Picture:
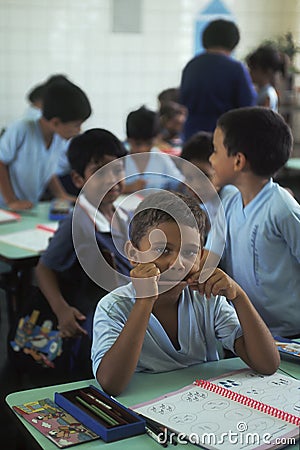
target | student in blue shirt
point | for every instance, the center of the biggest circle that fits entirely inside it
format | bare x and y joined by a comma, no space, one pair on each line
197,151
158,323
264,63
66,285
30,149
147,167
262,251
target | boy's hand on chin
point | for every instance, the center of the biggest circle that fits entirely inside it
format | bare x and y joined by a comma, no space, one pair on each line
145,280
218,283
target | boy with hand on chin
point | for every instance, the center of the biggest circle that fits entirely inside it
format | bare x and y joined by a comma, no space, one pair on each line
165,319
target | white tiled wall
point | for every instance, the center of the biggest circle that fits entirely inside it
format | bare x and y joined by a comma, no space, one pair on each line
118,71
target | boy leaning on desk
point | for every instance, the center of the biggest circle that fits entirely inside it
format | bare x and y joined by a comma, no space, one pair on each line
30,149
68,295
166,319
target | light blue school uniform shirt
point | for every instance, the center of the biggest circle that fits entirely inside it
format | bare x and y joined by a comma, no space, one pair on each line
262,253
30,164
269,92
160,172
200,323
63,165
32,113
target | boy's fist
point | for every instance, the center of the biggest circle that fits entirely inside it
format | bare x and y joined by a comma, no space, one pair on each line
219,283
144,279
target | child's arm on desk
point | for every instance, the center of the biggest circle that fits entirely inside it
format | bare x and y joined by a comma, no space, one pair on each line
67,315
8,192
256,347
119,363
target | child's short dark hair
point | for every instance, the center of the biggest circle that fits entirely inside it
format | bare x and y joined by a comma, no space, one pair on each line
66,101
169,95
221,33
261,135
184,208
37,92
169,110
142,124
93,145
199,147
266,57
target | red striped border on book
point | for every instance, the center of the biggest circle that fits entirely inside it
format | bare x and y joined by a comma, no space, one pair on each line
247,401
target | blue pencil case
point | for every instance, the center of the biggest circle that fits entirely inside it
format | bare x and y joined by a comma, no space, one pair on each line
113,422
59,209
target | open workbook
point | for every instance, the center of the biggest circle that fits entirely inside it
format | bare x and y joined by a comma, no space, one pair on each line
241,410
8,216
35,239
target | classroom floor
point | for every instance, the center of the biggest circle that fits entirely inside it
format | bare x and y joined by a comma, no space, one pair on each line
11,435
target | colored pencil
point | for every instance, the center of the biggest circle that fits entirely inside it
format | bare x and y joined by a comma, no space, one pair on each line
98,412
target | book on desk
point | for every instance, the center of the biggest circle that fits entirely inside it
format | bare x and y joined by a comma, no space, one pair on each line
8,216
81,415
53,422
34,239
243,408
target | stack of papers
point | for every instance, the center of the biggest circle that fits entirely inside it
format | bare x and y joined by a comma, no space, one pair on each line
7,216
35,239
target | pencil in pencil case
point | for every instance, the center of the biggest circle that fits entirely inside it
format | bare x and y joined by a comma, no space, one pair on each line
102,414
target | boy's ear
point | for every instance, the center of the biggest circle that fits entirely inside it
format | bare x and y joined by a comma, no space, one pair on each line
240,162
131,253
55,122
77,179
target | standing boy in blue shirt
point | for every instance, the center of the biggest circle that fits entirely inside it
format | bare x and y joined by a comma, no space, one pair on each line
30,149
156,323
67,286
262,251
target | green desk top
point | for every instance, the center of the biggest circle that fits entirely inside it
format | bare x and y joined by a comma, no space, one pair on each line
142,387
29,219
293,164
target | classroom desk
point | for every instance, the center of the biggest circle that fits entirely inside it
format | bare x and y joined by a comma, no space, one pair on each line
142,387
293,164
20,260
29,219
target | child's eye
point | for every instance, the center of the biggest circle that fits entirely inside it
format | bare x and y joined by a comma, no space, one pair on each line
189,253
161,250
